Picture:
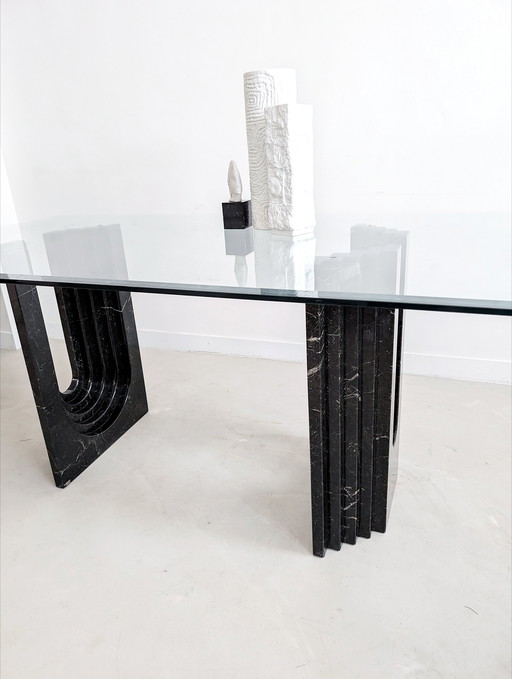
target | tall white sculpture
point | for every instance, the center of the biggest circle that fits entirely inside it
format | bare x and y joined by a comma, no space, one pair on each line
289,152
263,89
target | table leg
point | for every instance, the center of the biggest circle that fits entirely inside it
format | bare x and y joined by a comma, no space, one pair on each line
106,395
353,360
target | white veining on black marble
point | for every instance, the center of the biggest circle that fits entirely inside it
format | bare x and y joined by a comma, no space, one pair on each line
106,395
353,370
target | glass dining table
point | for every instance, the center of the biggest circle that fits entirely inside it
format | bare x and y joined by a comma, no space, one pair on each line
354,279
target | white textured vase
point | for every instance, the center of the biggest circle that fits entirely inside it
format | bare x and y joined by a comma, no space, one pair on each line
289,152
261,90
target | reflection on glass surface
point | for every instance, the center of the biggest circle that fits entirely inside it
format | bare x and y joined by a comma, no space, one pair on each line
239,243
93,252
284,262
14,256
452,257
376,262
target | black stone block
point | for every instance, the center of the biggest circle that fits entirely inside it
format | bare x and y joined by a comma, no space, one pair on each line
237,215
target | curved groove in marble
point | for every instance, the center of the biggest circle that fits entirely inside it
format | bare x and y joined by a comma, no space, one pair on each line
98,355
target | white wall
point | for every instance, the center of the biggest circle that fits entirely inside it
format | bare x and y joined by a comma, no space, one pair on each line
111,106
9,231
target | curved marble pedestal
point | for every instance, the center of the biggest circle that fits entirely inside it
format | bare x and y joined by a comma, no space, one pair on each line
106,395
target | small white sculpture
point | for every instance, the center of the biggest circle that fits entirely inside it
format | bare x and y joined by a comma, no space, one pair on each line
237,212
234,183
289,153
263,89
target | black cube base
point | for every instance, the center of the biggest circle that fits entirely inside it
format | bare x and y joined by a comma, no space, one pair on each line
237,215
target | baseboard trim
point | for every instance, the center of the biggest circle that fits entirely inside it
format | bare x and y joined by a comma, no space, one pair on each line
7,340
458,368
235,346
430,365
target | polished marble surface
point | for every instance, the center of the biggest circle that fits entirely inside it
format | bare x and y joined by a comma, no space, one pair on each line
437,262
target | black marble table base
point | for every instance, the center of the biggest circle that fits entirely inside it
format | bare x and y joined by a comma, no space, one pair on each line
106,395
353,360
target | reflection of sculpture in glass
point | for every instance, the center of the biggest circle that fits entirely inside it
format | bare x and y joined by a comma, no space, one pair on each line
239,242
263,89
375,263
284,262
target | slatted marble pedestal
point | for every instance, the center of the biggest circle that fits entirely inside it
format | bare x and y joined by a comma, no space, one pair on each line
353,360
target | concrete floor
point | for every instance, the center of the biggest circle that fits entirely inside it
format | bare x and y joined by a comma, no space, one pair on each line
184,552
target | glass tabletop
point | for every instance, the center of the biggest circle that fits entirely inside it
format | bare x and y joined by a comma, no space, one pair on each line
451,262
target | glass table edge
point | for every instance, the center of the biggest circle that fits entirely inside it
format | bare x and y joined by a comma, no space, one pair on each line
445,304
